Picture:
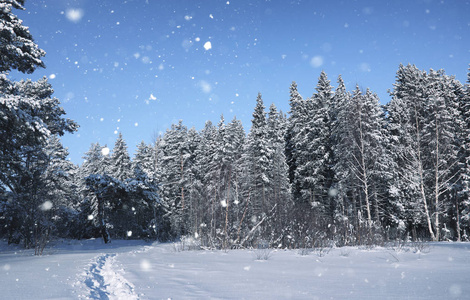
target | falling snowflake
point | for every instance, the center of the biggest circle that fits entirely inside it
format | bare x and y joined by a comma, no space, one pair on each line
46,206
74,15
316,61
105,151
207,46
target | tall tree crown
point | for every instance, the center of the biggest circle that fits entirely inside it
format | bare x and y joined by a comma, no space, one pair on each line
17,47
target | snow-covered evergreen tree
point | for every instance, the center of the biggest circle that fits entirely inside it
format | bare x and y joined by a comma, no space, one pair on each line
121,166
61,199
19,51
313,150
294,123
174,175
424,118
463,203
257,158
341,143
144,159
279,191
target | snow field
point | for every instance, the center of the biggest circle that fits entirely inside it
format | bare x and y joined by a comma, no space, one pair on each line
105,280
138,270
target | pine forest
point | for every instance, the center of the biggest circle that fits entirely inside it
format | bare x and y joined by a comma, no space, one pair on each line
338,168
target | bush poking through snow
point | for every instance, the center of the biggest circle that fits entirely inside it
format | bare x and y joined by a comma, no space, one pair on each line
187,243
420,247
344,252
305,251
263,253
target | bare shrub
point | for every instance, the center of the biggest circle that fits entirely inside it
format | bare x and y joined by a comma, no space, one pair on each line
305,251
263,254
420,246
345,252
322,247
187,243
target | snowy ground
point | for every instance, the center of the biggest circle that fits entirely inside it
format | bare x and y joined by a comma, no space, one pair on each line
137,270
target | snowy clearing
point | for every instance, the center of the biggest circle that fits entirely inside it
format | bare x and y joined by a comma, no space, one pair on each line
138,270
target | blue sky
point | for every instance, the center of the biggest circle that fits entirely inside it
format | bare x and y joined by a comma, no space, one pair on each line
137,66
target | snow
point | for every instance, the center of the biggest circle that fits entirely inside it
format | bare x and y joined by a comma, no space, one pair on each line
316,61
105,151
208,45
74,14
138,270
47,205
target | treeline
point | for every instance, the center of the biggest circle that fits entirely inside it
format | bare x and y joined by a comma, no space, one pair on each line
338,168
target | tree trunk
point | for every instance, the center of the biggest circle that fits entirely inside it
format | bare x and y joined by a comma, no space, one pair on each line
457,219
436,188
421,177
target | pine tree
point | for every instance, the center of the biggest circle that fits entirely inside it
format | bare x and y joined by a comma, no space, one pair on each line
105,189
463,205
29,115
427,110
144,159
257,156
341,144
294,124
94,163
120,160
279,189
234,141
174,176
206,183
366,150
19,51
313,148
147,210
61,192
405,114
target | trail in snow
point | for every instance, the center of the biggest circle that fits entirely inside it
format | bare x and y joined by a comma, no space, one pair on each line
134,269
105,280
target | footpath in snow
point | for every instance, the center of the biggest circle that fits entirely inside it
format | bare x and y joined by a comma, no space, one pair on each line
106,281
138,270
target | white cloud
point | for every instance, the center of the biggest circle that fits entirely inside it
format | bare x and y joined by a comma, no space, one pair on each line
316,61
74,14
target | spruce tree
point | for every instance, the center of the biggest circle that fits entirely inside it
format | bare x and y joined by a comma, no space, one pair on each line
257,155
144,159
294,124
121,167
19,51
